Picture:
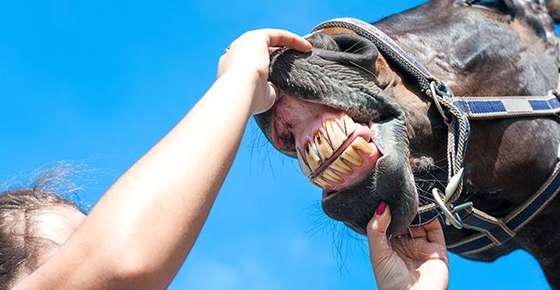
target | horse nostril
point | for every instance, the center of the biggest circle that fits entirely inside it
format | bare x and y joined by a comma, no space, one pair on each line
356,48
352,44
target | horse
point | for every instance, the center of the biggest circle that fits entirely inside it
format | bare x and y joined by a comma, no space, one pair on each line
377,113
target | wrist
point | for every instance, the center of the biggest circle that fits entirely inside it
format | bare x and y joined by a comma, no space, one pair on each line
257,92
243,74
238,89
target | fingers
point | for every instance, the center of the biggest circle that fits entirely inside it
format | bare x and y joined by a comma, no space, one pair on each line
417,232
380,248
434,232
278,37
264,104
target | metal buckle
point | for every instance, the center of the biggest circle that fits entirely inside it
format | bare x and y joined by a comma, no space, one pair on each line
440,89
450,218
451,212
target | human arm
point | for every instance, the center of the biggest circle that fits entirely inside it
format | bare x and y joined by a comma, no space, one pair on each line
415,261
142,229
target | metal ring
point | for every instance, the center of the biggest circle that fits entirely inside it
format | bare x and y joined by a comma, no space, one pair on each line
435,96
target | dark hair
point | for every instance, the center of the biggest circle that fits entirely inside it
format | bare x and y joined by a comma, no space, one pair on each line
19,246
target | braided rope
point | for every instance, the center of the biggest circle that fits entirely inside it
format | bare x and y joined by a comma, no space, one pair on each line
456,147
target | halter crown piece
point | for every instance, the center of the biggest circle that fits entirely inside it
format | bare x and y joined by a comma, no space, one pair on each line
456,112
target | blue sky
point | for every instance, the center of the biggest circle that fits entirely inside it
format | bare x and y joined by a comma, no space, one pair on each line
99,82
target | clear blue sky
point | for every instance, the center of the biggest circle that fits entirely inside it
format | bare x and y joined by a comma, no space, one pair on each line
99,82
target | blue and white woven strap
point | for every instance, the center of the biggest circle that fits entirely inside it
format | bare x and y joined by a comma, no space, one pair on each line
483,108
496,232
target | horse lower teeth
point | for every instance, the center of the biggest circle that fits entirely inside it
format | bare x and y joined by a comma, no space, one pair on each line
341,167
352,156
332,177
362,145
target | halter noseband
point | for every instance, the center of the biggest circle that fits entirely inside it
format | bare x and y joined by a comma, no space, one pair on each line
456,112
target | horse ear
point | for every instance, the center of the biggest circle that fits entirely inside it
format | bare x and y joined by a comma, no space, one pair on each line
553,7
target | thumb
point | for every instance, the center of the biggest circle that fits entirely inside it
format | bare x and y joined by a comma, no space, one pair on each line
267,101
379,246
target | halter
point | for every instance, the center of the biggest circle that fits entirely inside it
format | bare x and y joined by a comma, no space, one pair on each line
456,113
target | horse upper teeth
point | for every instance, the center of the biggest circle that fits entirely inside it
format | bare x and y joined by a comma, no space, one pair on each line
349,125
336,134
340,123
304,167
323,147
312,157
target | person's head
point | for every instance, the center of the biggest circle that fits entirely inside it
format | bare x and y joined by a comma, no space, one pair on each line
34,223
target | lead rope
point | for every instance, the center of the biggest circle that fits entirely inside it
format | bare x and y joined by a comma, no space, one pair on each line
458,129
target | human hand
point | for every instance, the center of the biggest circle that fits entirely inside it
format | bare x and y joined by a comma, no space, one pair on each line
250,55
415,261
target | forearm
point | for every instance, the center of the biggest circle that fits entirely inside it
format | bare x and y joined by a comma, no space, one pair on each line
164,199
139,233
149,219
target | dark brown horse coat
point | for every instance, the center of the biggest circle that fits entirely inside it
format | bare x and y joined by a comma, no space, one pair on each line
485,48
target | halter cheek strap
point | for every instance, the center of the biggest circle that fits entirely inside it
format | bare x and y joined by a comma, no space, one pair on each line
456,112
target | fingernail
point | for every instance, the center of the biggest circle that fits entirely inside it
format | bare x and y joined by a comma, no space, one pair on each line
380,208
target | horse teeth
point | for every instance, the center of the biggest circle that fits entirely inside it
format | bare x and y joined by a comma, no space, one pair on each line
363,145
340,123
304,167
326,135
349,125
352,156
341,167
323,147
321,182
313,158
318,182
330,176
336,134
